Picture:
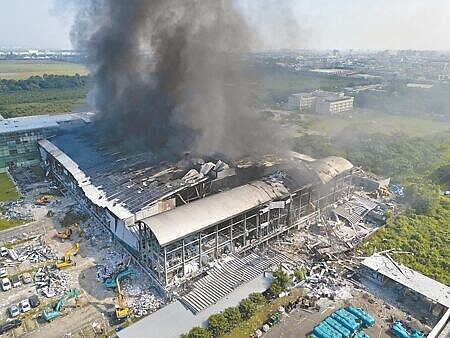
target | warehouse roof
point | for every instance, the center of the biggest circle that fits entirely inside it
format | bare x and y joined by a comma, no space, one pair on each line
329,167
25,123
413,280
172,225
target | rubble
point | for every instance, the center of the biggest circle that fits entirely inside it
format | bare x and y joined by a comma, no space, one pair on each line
50,281
139,298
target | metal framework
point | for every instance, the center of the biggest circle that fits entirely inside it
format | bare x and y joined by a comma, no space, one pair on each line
253,228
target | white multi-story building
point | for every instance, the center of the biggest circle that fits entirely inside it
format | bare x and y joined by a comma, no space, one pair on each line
321,102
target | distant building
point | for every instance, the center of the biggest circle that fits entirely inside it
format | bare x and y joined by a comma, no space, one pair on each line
321,102
19,136
335,105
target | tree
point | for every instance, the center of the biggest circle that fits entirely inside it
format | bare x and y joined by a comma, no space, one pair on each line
197,332
281,278
275,289
233,316
218,324
247,308
257,298
423,198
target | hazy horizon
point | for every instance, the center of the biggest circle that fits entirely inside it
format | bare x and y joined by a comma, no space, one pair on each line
281,24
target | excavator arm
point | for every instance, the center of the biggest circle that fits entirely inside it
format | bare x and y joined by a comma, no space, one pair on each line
67,261
122,311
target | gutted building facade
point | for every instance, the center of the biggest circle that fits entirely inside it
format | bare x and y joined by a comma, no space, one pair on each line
177,219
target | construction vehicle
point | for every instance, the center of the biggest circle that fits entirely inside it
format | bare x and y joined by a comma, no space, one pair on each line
67,233
111,283
55,311
122,312
67,259
44,199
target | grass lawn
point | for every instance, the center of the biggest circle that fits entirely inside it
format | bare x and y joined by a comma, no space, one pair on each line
250,326
8,191
22,69
7,224
377,123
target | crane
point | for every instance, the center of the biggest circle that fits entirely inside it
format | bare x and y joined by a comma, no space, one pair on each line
67,260
111,282
55,310
122,311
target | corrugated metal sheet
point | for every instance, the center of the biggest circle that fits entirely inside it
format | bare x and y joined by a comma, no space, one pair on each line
193,217
93,193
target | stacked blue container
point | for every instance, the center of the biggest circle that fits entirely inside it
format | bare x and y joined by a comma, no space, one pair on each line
361,314
361,334
338,326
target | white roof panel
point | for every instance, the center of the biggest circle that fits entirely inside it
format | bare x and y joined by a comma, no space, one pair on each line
198,215
401,274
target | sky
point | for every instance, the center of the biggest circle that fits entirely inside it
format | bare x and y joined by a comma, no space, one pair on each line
298,24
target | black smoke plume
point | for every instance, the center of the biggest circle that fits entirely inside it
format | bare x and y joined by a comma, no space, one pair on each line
170,76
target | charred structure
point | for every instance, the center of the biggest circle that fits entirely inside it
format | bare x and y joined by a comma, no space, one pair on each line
176,219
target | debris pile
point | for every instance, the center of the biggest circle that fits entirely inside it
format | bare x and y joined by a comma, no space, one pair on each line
113,262
139,298
50,281
324,281
35,253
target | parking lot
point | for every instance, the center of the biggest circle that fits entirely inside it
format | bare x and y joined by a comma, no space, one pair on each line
38,249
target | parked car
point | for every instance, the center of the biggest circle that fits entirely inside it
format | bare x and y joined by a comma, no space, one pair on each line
3,272
15,281
10,325
3,251
6,284
26,278
13,311
34,301
24,306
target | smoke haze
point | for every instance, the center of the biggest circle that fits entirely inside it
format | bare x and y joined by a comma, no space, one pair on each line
170,76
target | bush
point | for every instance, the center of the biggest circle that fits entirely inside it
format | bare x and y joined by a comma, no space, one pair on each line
247,308
275,289
257,298
233,316
197,332
300,274
218,324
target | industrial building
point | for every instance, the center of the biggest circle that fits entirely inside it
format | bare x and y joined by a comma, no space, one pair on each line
19,136
178,218
320,102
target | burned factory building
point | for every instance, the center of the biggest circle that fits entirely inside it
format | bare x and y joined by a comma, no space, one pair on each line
177,219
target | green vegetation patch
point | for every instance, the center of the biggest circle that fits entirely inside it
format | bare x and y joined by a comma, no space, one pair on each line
426,236
7,224
41,101
8,191
24,69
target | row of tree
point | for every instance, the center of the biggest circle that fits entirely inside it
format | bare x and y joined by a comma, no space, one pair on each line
44,82
222,323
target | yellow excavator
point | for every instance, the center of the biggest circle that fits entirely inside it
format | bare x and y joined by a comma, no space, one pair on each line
67,259
44,199
122,312
67,233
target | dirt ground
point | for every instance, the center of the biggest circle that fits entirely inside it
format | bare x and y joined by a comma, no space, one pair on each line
300,323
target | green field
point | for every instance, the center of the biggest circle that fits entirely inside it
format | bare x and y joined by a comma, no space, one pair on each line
8,191
38,102
18,70
377,123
